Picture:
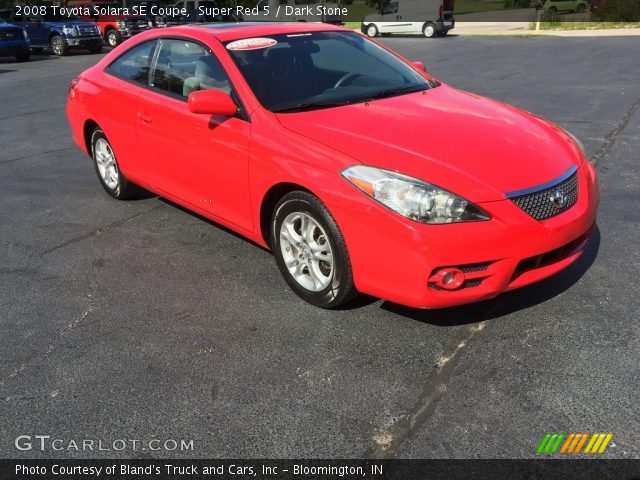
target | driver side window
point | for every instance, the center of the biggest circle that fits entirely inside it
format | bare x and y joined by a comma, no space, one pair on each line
183,67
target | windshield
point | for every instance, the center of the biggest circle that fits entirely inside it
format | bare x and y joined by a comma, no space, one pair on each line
320,70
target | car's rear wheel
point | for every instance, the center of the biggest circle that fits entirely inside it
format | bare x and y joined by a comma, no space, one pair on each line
553,10
429,30
106,164
581,8
372,31
310,250
58,46
113,38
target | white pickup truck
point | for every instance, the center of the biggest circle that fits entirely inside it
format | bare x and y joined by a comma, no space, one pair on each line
289,11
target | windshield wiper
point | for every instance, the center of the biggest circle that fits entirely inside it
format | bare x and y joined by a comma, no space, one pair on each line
301,107
392,92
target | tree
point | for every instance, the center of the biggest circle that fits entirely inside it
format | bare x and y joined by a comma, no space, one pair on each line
378,4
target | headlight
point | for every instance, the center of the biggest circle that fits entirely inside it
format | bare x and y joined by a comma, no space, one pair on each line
121,25
413,198
149,23
71,31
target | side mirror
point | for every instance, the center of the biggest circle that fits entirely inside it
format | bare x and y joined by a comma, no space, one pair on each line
420,66
212,102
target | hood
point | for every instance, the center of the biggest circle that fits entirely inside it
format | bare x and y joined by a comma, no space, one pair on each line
470,145
71,23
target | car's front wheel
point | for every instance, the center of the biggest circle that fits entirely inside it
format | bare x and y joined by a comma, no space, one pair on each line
310,250
113,38
108,170
58,45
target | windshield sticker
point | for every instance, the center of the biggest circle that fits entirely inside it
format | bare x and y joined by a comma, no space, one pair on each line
251,44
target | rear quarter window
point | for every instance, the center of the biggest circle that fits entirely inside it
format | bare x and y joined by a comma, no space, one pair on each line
134,64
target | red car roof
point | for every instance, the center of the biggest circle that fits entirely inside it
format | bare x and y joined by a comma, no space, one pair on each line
235,31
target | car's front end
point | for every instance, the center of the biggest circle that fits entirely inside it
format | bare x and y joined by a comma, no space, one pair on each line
439,265
14,42
80,35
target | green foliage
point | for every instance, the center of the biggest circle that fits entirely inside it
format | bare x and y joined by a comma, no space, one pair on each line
618,11
377,4
516,3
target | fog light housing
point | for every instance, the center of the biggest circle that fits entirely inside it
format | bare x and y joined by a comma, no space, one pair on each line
448,278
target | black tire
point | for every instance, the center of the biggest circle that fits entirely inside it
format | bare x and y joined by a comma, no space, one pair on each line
23,57
430,30
113,38
58,46
341,288
124,189
371,30
581,8
553,10
96,49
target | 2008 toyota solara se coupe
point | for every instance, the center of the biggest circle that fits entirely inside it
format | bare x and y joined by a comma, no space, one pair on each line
360,171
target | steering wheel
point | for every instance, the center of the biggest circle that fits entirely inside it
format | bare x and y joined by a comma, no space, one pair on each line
347,78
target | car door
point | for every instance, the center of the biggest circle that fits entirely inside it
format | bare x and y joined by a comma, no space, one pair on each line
392,19
28,24
198,159
128,80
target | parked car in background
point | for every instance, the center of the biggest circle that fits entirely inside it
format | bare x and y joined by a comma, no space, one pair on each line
202,11
432,18
153,19
114,28
60,33
14,42
560,6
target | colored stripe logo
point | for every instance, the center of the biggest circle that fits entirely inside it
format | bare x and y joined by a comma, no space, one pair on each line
573,443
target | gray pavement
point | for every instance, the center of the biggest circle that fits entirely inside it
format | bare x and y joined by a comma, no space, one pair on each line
138,320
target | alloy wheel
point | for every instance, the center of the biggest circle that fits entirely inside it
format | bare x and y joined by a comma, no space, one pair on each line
106,162
306,251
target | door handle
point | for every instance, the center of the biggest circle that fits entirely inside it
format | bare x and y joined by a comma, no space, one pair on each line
144,118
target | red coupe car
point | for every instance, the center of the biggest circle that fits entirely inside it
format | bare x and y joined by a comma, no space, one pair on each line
359,170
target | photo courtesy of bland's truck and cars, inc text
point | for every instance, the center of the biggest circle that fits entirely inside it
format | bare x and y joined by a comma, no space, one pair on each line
319,239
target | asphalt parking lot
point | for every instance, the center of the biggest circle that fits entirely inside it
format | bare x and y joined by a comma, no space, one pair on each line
139,320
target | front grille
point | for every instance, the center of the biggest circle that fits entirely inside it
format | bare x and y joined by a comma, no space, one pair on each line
6,34
550,257
87,31
472,283
474,267
550,201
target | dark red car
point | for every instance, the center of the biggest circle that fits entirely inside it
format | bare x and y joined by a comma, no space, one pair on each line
360,171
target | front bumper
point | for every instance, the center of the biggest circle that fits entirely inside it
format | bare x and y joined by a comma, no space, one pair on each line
84,42
12,49
395,258
444,25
